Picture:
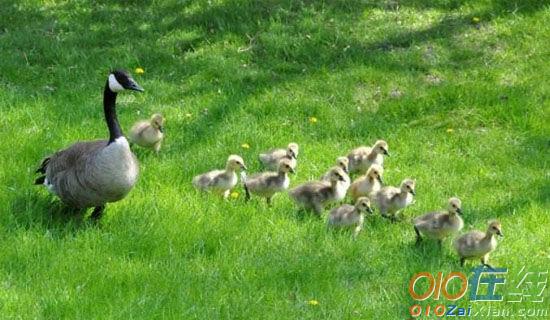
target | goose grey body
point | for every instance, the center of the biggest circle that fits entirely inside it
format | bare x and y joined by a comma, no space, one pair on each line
361,158
270,159
439,225
220,181
316,194
93,173
148,134
347,215
478,245
391,199
267,184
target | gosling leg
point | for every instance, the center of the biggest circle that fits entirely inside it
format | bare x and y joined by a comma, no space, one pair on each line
268,200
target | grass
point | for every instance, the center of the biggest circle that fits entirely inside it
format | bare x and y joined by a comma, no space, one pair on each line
458,88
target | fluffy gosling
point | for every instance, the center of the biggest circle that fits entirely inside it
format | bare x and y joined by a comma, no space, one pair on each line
221,181
267,184
369,184
148,134
343,186
348,216
361,158
392,199
477,244
439,225
270,159
316,194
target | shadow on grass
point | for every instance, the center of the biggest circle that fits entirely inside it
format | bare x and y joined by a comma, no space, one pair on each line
34,209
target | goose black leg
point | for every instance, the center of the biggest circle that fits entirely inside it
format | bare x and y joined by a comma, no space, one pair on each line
462,262
247,193
418,237
97,213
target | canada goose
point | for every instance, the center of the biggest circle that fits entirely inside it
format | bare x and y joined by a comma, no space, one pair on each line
361,158
392,199
439,225
477,244
268,183
148,134
93,173
368,184
315,194
270,159
350,216
221,181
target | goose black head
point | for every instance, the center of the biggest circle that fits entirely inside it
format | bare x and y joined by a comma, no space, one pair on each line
120,80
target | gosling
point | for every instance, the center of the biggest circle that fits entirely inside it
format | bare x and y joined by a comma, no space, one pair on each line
477,244
148,134
343,186
267,184
341,162
221,181
369,184
391,199
316,194
270,159
440,225
348,216
361,158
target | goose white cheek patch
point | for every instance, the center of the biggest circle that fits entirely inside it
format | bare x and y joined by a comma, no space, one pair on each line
114,85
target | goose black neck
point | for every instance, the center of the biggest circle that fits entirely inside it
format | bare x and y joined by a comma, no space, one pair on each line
109,107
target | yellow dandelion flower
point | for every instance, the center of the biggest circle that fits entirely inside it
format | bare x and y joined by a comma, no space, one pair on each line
313,302
139,70
245,146
450,130
234,194
476,19
313,120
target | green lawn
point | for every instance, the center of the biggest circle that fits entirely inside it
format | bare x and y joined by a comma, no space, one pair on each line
459,89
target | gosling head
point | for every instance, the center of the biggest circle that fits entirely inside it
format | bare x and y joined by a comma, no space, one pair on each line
495,228
235,162
286,166
343,162
120,80
408,185
292,150
381,147
455,206
375,172
337,174
157,122
363,205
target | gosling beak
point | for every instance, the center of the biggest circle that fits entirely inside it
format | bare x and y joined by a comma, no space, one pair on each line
346,170
134,86
386,153
341,178
500,233
369,210
161,129
379,178
244,167
293,155
459,211
413,192
292,171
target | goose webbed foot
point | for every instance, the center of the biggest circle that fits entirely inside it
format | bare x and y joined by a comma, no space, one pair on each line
490,267
97,213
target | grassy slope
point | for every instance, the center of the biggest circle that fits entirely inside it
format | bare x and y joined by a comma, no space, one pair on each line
169,251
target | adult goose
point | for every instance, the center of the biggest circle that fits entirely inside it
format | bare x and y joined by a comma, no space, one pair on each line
93,173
